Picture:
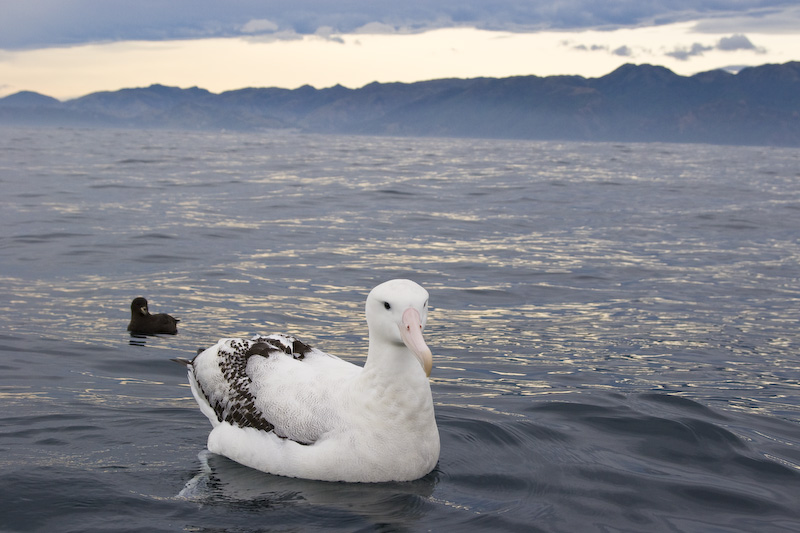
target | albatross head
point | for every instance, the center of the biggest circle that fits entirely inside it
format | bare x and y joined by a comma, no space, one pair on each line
396,313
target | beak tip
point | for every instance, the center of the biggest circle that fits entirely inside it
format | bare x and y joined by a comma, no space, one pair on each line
411,333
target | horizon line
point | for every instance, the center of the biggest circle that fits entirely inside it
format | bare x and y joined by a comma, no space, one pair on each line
731,69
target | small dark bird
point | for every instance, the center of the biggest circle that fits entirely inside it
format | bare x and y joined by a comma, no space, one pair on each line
143,323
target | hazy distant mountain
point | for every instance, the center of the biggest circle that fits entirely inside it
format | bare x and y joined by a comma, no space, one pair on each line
28,99
758,106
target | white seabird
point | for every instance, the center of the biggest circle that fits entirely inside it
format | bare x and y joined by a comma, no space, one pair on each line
283,407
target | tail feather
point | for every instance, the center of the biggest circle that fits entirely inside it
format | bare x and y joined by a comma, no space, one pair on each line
187,362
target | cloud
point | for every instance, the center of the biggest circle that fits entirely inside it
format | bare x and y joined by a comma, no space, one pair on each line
784,20
732,43
683,53
69,22
329,34
592,48
376,28
259,26
737,42
725,44
624,51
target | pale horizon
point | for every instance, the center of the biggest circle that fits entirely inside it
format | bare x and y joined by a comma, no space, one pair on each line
266,54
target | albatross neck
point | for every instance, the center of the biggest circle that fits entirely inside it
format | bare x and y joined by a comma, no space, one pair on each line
386,360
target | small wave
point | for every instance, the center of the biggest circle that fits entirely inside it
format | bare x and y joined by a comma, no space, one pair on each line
138,161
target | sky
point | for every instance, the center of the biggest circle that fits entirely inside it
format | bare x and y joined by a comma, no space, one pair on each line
70,48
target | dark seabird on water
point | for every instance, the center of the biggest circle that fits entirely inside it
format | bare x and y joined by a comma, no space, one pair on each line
143,323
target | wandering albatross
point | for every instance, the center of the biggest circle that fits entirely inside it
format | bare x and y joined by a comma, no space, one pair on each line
283,407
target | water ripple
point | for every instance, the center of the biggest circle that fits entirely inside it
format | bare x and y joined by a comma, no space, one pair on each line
613,326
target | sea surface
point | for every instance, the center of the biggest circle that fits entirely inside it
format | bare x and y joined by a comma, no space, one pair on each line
615,327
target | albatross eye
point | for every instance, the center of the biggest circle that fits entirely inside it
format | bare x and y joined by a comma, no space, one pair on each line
387,305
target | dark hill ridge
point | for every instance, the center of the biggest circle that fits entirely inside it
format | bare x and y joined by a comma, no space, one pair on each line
757,106
28,99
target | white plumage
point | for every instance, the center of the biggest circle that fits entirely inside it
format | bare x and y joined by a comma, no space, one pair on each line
282,407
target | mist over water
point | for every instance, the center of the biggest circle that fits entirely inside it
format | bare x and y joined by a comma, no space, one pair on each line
614,326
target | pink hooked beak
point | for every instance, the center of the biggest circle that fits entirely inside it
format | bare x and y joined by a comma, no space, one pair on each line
411,333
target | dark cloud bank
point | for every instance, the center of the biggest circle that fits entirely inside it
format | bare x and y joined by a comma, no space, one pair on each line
63,22
757,106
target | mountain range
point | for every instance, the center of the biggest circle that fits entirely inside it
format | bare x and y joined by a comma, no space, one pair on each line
756,106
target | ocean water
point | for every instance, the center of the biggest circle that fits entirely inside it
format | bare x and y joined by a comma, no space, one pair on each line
614,326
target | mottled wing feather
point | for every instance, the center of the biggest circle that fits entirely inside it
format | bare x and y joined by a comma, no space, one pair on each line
272,383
